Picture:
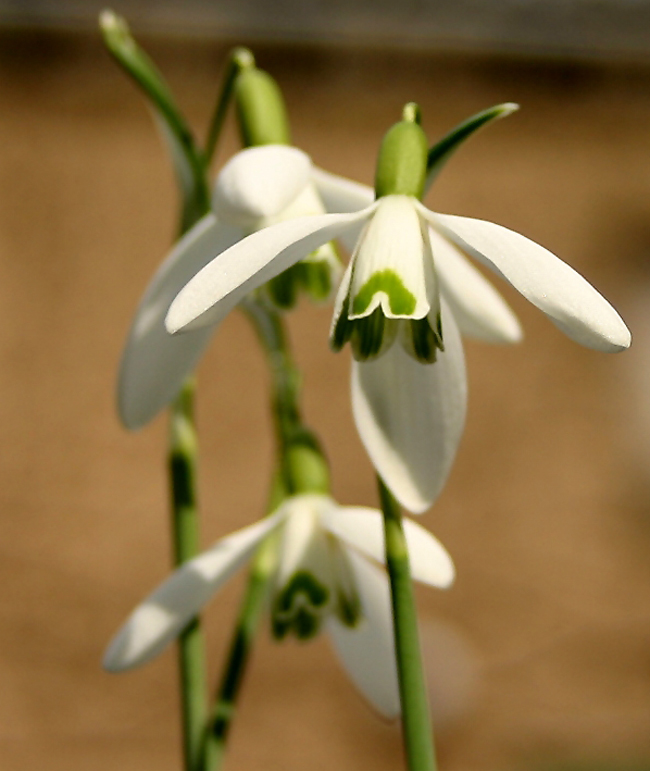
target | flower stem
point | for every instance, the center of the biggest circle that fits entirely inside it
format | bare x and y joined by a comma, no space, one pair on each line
185,530
250,613
302,469
416,720
239,59
285,376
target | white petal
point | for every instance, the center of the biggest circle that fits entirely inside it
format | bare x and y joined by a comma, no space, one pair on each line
363,529
154,364
389,267
343,195
550,284
360,527
303,546
367,651
430,561
251,263
260,182
340,194
410,417
160,618
478,308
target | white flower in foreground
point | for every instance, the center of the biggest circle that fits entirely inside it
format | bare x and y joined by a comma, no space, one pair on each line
326,576
257,187
407,286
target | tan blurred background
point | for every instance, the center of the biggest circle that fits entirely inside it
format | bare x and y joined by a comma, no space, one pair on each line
540,654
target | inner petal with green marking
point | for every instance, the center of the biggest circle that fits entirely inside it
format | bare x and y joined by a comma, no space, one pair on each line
299,606
388,270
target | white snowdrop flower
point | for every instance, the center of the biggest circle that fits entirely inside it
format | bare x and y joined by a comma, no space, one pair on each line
327,577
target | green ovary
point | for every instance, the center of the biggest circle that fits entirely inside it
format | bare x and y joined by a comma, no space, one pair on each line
401,301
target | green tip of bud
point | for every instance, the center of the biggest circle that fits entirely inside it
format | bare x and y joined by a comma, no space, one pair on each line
402,162
304,465
412,113
260,109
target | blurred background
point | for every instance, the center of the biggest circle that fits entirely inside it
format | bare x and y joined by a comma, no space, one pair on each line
539,656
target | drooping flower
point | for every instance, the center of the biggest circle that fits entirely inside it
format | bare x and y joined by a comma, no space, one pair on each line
326,578
257,187
407,287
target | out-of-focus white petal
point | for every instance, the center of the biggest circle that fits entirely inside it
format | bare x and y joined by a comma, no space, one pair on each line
363,529
343,195
251,263
564,295
430,561
389,263
154,364
160,618
367,651
410,416
260,182
359,526
478,308
303,546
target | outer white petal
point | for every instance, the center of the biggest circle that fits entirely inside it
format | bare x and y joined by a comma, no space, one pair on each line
478,308
260,182
340,194
363,529
391,246
359,527
410,417
160,618
430,561
251,263
550,284
154,364
367,651
343,195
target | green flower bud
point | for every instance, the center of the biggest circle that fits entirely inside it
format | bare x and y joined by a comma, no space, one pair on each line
402,161
305,467
260,109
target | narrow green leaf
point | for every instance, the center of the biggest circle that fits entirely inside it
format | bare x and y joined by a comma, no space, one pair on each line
442,151
187,159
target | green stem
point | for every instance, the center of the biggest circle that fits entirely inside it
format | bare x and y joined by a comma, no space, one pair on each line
239,59
285,377
302,469
250,613
185,529
416,720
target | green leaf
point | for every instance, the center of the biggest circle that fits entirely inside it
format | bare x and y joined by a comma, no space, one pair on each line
442,151
187,159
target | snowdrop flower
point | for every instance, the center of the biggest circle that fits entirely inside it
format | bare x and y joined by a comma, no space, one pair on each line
326,578
407,289
256,188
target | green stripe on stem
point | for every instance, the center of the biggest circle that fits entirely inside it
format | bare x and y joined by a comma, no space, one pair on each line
250,613
416,720
185,531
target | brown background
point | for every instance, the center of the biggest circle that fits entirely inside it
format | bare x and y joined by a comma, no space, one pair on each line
540,653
